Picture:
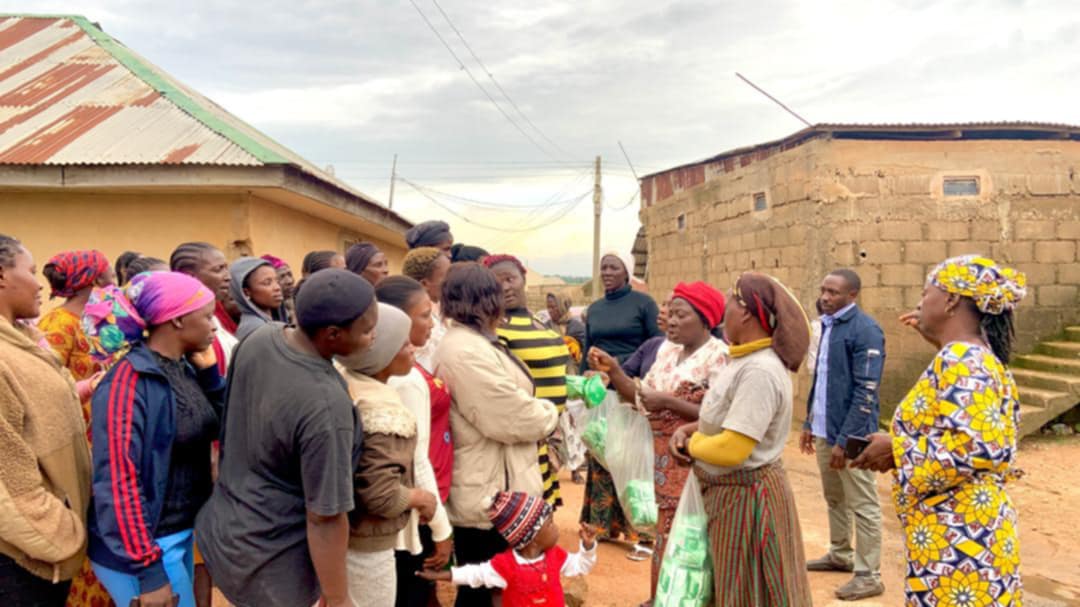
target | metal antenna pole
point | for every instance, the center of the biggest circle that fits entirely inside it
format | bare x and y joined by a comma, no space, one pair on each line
773,99
627,157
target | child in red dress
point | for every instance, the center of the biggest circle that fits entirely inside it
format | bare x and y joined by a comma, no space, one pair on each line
529,572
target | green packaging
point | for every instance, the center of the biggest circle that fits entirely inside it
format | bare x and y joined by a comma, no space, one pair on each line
641,503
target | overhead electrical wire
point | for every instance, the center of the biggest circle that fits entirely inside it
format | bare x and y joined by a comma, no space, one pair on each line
506,239
468,72
487,204
496,82
626,205
570,206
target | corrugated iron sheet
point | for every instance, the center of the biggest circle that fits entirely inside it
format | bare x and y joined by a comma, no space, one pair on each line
72,95
962,130
66,100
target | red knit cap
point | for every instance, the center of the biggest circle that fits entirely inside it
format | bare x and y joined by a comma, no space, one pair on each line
518,516
704,298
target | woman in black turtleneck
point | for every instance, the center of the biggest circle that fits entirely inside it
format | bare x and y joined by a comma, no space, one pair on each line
624,318
617,324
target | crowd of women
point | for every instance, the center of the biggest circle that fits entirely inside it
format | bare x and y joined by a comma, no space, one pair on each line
177,424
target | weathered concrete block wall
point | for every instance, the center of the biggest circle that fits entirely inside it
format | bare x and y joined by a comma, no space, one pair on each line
879,208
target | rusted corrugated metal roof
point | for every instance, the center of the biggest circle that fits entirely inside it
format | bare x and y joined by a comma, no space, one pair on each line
65,99
907,132
70,94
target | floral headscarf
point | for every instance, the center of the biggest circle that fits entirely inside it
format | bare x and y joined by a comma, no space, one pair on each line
111,323
995,289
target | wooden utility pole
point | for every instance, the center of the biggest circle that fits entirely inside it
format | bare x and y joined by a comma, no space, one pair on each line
598,206
393,178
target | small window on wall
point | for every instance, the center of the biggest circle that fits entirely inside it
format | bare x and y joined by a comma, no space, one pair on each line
680,222
760,203
961,186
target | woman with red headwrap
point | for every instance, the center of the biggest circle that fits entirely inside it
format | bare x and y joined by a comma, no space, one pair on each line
73,275
672,391
736,445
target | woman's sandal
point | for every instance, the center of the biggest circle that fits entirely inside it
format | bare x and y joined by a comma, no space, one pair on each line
640,553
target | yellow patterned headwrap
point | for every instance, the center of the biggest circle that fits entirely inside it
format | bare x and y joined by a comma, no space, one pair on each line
995,289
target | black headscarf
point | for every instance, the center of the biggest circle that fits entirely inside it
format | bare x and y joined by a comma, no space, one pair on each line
464,252
359,256
427,234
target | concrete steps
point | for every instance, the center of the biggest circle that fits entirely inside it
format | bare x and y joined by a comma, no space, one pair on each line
1058,382
1052,364
1048,380
1060,349
1032,419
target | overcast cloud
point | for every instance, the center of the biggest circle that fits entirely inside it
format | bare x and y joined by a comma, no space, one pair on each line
350,84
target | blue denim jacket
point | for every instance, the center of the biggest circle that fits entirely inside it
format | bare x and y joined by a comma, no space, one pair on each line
856,360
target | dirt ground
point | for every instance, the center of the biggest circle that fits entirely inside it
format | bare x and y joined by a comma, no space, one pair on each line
1048,499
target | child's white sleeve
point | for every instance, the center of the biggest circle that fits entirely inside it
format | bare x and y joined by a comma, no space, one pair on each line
481,575
580,562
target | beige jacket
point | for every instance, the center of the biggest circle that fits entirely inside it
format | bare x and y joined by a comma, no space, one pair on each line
383,480
496,422
44,460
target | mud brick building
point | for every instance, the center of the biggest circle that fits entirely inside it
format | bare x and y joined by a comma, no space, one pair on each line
890,201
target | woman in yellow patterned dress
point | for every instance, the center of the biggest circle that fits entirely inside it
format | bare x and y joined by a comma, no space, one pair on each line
72,275
952,448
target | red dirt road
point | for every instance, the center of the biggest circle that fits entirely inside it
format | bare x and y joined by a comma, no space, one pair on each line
1048,498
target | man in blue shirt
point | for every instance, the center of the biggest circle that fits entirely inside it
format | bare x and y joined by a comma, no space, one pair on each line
844,403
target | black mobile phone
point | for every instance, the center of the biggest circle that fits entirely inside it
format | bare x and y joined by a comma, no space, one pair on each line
855,447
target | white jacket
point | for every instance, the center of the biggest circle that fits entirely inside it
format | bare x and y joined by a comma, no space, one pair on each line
414,393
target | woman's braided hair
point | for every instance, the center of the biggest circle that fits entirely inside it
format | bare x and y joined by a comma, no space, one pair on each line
121,266
999,330
188,257
9,249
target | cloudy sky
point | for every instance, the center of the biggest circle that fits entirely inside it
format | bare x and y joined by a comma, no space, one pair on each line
351,83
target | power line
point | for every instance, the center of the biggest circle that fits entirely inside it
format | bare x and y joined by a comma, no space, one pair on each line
465,68
494,81
490,205
628,202
569,207
502,242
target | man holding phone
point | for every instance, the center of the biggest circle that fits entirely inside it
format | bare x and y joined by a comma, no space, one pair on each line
842,410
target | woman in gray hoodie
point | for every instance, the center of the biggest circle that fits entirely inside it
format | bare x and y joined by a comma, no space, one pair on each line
256,290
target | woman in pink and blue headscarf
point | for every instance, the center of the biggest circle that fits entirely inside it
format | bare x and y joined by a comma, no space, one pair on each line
155,415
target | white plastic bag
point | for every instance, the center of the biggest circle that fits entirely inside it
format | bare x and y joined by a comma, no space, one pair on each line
572,451
632,466
594,427
686,577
